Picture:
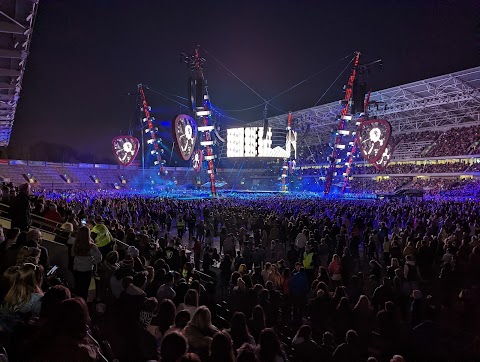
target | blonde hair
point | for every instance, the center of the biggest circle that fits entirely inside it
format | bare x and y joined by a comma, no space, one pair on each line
26,282
28,255
9,275
202,319
242,269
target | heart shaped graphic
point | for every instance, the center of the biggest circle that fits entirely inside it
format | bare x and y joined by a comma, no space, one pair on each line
373,137
382,163
184,129
197,160
125,149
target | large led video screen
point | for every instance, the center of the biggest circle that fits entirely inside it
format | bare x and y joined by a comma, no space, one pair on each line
251,142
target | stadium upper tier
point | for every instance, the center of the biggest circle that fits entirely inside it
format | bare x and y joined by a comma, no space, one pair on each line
455,141
438,103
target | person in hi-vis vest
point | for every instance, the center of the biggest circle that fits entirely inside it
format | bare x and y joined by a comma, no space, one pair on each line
309,262
103,238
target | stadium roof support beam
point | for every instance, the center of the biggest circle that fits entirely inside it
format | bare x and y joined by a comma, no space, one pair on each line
450,100
7,86
17,18
12,54
11,28
4,72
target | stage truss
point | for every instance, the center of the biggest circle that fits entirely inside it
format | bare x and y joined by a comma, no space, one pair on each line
17,18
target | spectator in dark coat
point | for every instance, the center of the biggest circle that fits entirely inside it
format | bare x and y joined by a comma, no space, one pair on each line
382,294
67,334
123,324
350,350
257,323
20,208
389,327
239,332
298,287
305,348
326,349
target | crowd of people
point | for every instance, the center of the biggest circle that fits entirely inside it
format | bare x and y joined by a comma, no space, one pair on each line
399,168
456,142
449,188
436,187
427,135
280,278
367,185
447,167
466,141
396,168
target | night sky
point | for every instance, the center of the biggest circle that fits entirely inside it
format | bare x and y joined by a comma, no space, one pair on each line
87,55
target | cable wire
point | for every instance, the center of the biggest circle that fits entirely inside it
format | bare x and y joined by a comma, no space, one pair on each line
245,109
331,85
236,76
281,110
167,92
163,95
307,79
289,89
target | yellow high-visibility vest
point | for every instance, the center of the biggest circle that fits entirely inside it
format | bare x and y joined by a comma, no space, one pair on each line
307,260
103,235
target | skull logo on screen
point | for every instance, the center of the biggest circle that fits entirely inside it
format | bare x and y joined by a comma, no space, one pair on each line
382,162
185,133
197,160
373,138
125,149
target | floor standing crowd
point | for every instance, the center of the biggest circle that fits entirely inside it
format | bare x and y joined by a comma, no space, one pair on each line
266,279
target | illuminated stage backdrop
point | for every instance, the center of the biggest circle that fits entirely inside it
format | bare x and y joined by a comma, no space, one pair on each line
250,142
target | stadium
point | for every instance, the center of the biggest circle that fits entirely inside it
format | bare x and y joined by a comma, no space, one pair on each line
345,231
427,117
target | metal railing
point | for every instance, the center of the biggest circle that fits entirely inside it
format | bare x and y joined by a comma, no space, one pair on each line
48,226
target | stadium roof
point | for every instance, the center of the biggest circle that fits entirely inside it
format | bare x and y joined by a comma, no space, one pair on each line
16,26
450,100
